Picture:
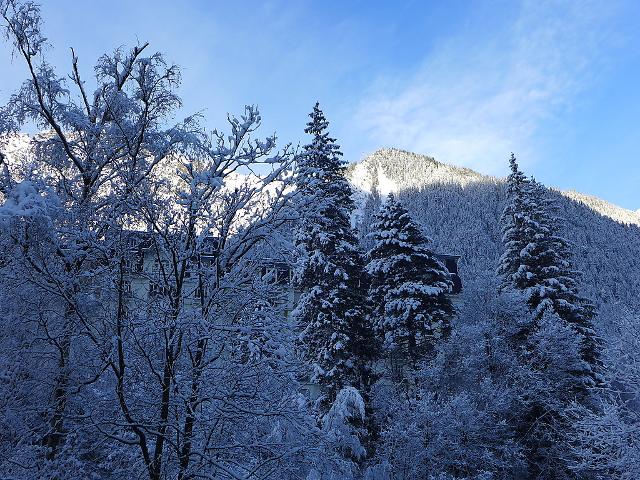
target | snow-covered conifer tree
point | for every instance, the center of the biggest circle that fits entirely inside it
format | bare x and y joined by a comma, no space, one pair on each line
336,337
513,237
408,284
558,344
546,272
538,261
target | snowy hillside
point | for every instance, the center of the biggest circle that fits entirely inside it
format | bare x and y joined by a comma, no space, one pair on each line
460,209
605,208
15,149
393,170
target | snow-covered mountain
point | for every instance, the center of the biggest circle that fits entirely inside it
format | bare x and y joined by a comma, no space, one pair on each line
605,208
393,170
460,210
386,169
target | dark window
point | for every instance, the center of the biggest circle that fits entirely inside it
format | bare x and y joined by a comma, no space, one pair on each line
451,265
207,261
275,275
210,245
139,262
156,290
457,283
126,288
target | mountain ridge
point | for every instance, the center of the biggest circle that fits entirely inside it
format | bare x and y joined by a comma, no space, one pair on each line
378,168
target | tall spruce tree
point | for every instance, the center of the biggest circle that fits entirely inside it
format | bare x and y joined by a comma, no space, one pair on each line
558,344
336,338
546,272
512,223
538,261
408,284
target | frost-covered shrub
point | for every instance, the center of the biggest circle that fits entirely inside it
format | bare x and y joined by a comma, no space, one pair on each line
344,423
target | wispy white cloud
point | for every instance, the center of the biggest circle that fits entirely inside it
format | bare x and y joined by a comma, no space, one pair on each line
481,95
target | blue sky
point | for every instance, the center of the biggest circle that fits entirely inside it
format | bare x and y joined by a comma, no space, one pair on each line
465,81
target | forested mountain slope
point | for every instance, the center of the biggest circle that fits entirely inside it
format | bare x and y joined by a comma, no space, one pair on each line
460,210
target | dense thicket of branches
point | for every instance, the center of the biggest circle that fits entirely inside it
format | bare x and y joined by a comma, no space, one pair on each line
119,371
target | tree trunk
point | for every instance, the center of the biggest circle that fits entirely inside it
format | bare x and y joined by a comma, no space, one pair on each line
55,436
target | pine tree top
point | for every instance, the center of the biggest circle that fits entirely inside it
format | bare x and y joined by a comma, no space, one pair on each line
318,123
321,143
537,260
320,171
516,178
336,337
408,283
